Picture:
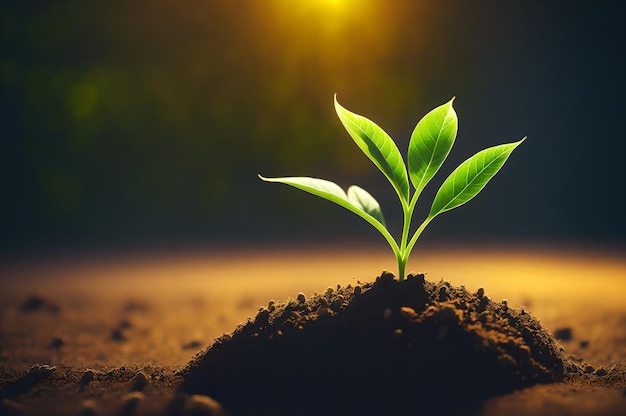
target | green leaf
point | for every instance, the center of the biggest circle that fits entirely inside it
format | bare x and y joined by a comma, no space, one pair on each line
430,144
470,177
362,199
362,203
378,146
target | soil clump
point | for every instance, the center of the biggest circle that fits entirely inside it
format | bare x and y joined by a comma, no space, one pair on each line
377,348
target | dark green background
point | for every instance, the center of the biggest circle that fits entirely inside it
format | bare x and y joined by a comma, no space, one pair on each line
146,122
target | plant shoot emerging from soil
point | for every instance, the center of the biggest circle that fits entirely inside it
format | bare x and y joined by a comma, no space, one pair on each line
430,144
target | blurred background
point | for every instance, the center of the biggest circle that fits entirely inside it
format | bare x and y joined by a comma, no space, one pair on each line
144,124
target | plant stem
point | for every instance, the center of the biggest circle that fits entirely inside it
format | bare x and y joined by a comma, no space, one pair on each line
401,267
408,214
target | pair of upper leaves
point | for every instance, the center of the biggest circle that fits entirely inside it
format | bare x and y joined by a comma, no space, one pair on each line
430,144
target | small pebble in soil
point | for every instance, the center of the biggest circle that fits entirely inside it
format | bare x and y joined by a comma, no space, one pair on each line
41,371
117,335
338,302
357,290
192,345
407,312
301,298
589,369
140,381
601,372
480,292
564,334
420,277
88,376
385,277
37,303
56,343
130,402
443,294
200,405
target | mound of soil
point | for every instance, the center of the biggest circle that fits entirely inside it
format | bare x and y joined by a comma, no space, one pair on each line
376,348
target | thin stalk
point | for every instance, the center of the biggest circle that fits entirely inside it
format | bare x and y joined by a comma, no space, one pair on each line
401,267
406,227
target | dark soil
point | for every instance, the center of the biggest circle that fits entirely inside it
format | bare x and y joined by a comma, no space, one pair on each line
377,348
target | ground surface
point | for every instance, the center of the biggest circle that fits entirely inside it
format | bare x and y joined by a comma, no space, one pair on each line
101,327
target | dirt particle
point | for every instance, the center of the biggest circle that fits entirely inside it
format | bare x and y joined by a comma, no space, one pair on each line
41,371
55,343
140,381
506,361
193,344
480,292
338,302
601,372
397,333
201,405
589,369
301,298
262,316
584,344
447,314
271,306
407,312
357,290
88,376
322,310
443,294
564,334
420,277
117,335
37,303
385,277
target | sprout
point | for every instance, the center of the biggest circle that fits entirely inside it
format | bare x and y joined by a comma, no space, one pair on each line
430,144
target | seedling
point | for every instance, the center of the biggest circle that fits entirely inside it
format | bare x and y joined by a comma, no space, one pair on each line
430,144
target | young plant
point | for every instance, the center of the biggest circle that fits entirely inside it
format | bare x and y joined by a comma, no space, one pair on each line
429,146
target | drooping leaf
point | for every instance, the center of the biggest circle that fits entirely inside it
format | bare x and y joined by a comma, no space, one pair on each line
430,144
362,199
333,192
470,177
378,146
